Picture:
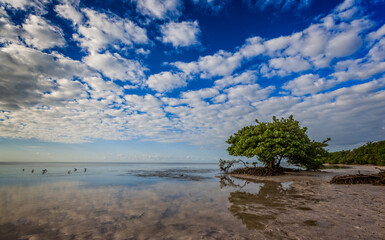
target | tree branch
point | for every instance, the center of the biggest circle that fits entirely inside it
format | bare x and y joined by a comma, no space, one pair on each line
246,166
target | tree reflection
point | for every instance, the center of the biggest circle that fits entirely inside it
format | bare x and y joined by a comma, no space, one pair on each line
227,181
259,203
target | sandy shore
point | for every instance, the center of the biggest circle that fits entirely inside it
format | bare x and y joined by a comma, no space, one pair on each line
333,211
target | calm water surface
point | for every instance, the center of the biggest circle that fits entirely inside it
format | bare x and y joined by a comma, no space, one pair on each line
134,201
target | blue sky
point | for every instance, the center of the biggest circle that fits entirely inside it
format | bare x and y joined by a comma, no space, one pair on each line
169,80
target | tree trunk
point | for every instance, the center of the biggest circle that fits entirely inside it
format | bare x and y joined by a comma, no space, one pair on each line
279,162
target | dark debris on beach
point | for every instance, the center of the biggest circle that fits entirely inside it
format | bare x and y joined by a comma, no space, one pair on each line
375,179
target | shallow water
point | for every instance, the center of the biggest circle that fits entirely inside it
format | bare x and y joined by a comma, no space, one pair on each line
148,201
125,201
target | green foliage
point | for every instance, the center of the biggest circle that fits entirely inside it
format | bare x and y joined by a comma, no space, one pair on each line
273,141
370,153
314,155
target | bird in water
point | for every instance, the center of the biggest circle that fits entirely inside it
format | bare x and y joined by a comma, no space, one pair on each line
44,171
85,169
23,169
75,169
69,172
32,171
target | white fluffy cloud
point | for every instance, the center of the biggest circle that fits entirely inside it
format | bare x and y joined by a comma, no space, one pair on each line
276,45
69,12
160,9
64,90
246,77
344,44
180,34
27,73
253,47
308,84
356,70
287,65
8,31
16,3
42,35
116,67
340,113
251,93
379,33
377,52
314,41
39,6
199,94
102,30
35,31
41,98
166,81
221,63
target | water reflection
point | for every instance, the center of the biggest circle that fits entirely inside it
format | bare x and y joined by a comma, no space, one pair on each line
163,210
67,210
256,203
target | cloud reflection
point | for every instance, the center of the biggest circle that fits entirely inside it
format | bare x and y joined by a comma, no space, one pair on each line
67,210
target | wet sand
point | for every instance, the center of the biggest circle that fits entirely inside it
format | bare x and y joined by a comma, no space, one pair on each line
331,211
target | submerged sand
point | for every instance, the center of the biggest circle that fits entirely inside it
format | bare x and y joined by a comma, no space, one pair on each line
294,206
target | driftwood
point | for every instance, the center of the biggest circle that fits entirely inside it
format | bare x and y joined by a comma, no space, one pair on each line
375,179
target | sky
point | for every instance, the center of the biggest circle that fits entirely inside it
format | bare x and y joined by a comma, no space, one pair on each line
170,80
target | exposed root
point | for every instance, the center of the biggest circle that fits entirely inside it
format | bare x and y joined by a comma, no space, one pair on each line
375,179
261,171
